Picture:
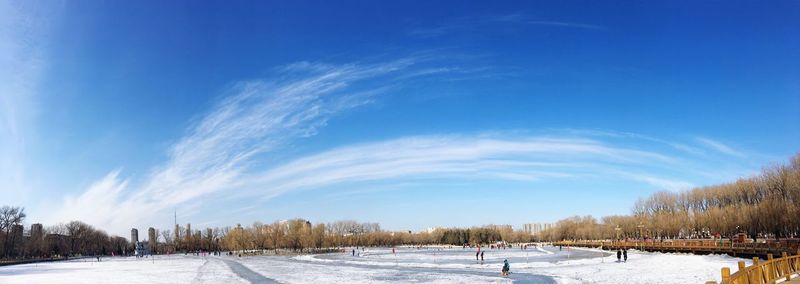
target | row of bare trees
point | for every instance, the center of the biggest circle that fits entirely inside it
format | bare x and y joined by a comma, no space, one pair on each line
300,235
762,206
79,238
68,239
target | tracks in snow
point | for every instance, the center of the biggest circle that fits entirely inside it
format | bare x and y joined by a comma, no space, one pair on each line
246,273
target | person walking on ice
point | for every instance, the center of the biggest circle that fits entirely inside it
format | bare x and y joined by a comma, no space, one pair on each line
481,256
619,255
625,254
506,268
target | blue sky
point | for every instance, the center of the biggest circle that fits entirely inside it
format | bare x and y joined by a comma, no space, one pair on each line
411,114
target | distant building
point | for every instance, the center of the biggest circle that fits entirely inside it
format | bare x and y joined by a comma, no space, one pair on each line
16,239
528,228
501,227
35,240
536,228
37,231
152,239
134,236
288,223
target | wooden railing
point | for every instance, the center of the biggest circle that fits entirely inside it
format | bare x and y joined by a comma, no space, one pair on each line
767,272
761,249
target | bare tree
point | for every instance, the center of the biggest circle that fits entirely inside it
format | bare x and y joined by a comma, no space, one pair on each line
9,217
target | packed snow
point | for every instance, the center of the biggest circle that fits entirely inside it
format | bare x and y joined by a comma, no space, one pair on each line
159,269
381,265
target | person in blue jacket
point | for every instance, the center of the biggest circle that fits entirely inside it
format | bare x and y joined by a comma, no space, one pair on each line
506,268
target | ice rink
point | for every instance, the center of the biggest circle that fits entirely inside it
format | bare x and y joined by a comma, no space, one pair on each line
380,265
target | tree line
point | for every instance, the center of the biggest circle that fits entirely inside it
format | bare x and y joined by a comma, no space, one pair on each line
66,239
80,239
301,235
761,206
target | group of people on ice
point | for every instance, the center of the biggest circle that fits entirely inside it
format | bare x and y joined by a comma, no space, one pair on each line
506,267
622,253
480,252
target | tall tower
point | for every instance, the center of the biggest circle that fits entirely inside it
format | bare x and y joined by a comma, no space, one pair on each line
134,236
152,239
189,232
177,229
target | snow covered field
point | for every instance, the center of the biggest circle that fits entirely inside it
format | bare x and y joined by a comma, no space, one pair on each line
432,265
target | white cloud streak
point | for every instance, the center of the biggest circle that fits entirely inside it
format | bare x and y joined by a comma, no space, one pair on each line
471,24
464,157
220,154
720,147
255,118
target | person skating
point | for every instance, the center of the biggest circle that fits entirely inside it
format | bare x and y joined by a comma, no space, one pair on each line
506,268
619,255
481,256
625,254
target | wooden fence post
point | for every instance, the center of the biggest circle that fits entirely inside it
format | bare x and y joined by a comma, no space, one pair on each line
770,267
785,266
795,265
726,275
756,277
743,272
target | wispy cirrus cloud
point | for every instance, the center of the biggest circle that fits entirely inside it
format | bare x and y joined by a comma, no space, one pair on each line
719,147
220,155
493,157
255,117
519,20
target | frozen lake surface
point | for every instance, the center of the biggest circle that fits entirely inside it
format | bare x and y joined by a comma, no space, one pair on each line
380,265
